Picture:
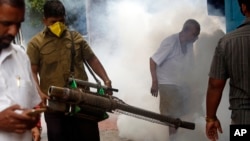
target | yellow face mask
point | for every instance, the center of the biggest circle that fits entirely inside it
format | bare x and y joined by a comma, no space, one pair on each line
57,28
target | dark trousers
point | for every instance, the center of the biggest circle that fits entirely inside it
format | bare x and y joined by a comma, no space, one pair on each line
62,127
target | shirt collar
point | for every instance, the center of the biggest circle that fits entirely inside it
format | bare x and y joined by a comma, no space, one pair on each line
246,22
6,52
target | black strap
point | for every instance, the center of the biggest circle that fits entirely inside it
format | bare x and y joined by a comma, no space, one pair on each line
91,72
73,53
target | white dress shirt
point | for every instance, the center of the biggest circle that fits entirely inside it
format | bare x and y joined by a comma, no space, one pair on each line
17,86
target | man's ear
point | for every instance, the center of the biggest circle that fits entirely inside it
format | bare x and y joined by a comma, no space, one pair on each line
243,9
45,21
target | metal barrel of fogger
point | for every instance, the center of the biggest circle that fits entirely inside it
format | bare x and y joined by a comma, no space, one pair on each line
89,84
78,98
109,104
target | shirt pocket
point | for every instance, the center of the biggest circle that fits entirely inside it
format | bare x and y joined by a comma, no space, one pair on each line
24,93
50,59
49,55
77,48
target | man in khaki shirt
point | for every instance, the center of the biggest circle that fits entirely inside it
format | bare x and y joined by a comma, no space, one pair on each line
50,52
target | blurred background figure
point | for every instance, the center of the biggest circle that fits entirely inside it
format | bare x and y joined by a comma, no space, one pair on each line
168,64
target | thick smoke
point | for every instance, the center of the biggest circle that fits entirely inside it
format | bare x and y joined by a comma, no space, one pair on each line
125,33
76,16
133,32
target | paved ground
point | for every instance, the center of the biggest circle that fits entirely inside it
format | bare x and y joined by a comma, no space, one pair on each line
108,130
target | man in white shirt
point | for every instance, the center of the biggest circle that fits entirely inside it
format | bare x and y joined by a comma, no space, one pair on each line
168,65
18,93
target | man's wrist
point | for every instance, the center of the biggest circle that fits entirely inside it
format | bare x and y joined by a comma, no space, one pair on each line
211,119
107,81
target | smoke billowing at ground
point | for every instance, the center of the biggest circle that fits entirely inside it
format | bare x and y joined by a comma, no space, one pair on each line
133,30
125,33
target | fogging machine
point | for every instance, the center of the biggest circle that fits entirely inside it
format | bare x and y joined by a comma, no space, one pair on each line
65,100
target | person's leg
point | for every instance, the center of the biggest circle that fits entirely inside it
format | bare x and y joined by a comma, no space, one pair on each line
171,103
54,126
81,129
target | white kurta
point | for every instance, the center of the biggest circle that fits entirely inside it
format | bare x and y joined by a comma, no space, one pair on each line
17,86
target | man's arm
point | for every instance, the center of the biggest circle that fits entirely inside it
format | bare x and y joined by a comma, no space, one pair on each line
214,94
97,67
43,96
154,87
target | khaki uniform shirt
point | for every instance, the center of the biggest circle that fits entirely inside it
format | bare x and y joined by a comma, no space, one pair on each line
52,55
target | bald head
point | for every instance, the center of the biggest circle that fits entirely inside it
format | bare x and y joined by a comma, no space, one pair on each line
190,32
191,24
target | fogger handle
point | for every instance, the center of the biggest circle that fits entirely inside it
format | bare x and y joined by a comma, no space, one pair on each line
187,125
112,89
